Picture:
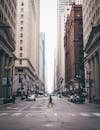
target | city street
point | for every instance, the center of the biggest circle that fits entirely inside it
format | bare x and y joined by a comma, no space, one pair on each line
64,115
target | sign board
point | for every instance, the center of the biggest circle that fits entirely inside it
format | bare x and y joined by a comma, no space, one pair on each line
87,84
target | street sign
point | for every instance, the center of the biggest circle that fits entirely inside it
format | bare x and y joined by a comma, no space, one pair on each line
87,84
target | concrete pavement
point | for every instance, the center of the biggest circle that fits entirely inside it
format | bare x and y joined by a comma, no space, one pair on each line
63,115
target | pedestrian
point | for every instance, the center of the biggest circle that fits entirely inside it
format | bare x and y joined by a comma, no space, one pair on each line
13,98
50,101
94,99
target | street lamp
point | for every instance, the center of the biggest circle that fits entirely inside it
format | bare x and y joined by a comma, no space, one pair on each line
90,85
78,77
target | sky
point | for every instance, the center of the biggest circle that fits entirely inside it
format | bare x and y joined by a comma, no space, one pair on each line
48,24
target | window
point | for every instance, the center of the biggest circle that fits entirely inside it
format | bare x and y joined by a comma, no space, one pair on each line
22,15
20,61
21,48
22,4
21,21
21,29
21,34
22,9
21,41
20,54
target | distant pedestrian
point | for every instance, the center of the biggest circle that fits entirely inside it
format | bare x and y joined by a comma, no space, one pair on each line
50,101
13,98
94,99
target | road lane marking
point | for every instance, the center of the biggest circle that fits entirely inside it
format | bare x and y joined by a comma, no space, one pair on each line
38,107
16,114
55,114
96,114
71,114
24,108
48,125
12,107
15,108
3,114
84,114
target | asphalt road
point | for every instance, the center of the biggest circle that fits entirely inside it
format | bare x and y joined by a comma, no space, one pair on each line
37,115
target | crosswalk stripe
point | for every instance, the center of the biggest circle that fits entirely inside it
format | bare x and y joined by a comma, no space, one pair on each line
28,115
16,114
15,108
3,114
38,107
55,114
84,114
71,114
96,114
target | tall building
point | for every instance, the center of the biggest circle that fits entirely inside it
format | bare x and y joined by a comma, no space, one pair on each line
60,33
91,31
63,8
7,46
55,70
26,44
73,44
42,60
37,3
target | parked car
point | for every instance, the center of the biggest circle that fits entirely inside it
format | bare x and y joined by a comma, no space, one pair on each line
31,98
22,97
77,98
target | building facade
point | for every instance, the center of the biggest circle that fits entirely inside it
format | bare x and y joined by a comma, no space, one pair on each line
61,4
63,8
73,44
37,3
91,32
7,46
26,46
42,60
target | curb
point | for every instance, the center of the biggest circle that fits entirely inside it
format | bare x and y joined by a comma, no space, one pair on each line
16,101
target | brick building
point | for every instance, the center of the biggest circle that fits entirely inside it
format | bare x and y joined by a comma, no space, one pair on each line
73,44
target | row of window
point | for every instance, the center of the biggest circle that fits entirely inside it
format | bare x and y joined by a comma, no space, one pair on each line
21,30
9,9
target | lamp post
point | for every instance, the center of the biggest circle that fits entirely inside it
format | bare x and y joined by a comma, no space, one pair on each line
90,85
78,77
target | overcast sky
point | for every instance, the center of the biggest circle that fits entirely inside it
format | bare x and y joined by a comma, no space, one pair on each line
48,24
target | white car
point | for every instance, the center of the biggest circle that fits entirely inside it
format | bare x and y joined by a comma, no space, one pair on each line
31,98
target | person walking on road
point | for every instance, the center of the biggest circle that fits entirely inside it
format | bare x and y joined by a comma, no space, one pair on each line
13,98
50,101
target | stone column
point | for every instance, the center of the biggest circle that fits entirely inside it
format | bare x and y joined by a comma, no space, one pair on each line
2,65
0,74
89,78
7,75
97,77
93,76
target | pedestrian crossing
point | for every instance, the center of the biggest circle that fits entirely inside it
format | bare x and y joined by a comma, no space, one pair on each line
30,114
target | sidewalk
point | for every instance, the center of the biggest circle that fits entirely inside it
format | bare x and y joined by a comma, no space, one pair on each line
18,99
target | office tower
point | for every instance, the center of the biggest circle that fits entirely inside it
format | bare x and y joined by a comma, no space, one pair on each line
27,40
